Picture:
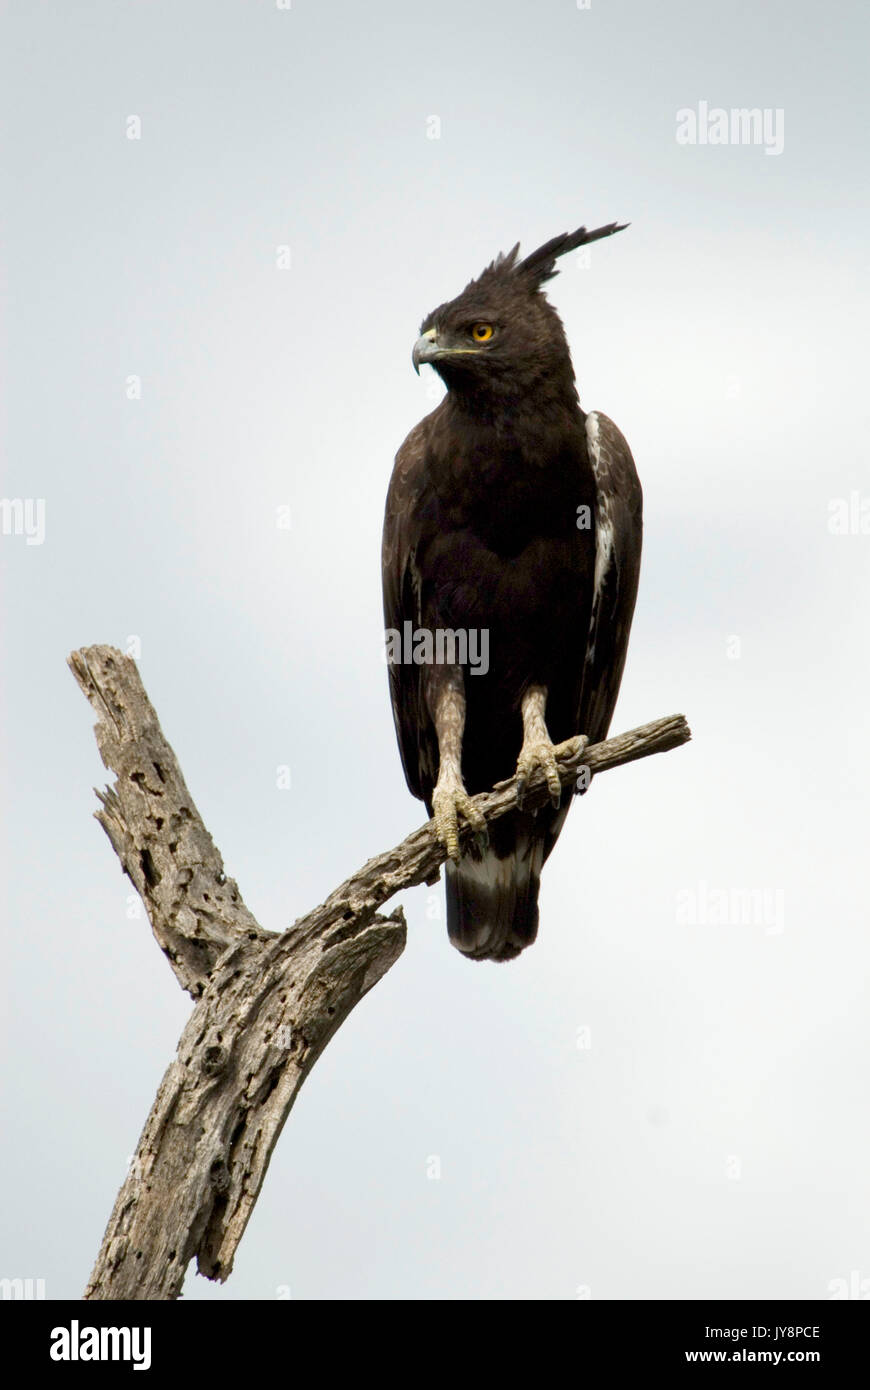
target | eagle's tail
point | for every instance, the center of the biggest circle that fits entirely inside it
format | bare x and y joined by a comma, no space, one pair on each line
492,900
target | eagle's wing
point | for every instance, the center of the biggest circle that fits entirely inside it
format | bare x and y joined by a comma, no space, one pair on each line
418,744
618,531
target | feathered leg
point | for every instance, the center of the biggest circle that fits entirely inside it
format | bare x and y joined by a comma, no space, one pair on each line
446,698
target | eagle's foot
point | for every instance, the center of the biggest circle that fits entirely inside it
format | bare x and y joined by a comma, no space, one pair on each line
534,754
449,801
572,747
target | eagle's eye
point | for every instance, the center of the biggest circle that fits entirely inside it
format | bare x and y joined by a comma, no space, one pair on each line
482,332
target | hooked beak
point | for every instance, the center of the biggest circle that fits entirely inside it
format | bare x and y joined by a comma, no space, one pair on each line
428,349
425,349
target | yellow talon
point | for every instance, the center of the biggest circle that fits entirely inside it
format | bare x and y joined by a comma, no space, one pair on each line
449,800
532,756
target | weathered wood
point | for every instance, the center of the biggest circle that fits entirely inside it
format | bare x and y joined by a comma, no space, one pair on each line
154,827
252,1039
266,1003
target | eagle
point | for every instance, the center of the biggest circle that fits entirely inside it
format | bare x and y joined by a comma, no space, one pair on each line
510,559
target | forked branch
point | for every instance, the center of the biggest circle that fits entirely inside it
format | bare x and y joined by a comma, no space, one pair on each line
266,1003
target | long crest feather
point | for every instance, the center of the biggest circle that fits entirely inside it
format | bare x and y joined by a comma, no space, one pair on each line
540,265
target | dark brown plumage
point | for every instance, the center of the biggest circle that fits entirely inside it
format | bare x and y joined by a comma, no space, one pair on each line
512,511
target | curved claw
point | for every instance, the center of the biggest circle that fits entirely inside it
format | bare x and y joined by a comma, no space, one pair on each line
448,803
532,756
572,746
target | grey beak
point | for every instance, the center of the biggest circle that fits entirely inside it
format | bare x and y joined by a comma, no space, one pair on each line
425,349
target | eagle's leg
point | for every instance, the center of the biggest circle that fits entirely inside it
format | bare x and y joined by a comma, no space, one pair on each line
446,699
537,750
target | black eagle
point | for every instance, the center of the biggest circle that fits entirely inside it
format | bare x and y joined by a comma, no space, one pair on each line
513,525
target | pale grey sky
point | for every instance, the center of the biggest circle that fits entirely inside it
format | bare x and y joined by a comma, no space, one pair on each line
708,1137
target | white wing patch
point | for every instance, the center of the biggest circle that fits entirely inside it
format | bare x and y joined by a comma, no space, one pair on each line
603,532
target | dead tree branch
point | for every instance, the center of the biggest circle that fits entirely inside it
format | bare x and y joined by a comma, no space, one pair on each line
266,1004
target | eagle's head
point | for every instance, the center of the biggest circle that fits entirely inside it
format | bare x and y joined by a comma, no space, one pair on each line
500,335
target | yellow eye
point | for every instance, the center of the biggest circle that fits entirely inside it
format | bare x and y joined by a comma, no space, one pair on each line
482,332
